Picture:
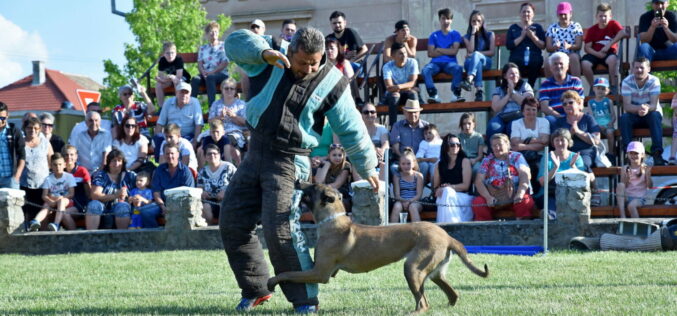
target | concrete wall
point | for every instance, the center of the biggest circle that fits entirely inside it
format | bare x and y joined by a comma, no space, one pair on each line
185,229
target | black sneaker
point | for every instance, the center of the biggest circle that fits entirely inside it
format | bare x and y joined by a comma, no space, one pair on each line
658,160
479,96
456,96
466,85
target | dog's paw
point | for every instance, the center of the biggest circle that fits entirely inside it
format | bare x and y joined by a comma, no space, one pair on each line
271,284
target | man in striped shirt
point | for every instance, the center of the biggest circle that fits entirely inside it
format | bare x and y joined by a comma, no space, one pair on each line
640,92
553,87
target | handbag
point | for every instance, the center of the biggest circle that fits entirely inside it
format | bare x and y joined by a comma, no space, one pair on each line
504,193
601,160
508,117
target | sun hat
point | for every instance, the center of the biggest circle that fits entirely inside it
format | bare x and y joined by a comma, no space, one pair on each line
412,106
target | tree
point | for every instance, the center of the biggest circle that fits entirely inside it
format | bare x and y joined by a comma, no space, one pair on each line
154,22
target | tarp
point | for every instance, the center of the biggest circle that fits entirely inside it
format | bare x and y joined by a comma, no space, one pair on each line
506,250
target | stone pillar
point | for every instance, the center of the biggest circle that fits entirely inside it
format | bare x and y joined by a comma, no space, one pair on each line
573,207
11,215
368,207
184,209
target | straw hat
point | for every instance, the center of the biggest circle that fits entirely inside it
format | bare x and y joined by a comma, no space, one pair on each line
412,106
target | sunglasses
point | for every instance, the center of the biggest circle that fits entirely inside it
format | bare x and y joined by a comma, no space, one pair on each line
230,88
454,144
254,27
568,103
3,118
213,153
334,146
369,112
130,125
126,94
47,125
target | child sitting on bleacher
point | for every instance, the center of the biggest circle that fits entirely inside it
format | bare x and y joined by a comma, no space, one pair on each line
635,181
471,141
57,192
170,71
139,196
601,108
407,188
336,172
601,46
673,148
429,151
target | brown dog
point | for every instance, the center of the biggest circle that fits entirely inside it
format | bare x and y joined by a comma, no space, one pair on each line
355,248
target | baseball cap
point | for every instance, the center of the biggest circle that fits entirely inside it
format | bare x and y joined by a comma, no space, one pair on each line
258,23
635,147
659,1
564,8
601,82
183,86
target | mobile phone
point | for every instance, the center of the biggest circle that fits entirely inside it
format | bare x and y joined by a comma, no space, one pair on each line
658,14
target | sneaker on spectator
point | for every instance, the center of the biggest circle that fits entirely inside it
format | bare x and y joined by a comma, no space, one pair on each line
53,227
306,309
246,304
466,85
658,160
434,99
479,96
672,161
33,226
456,96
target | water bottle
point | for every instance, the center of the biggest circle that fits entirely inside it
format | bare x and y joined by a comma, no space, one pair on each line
526,56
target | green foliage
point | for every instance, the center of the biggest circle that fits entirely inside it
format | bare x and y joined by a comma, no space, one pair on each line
154,22
201,282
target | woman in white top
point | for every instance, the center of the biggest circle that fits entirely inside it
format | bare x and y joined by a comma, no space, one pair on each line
530,135
38,153
131,143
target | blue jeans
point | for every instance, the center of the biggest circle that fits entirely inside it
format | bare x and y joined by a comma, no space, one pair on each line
652,120
474,64
645,50
119,209
432,69
495,126
149,215
9,183
211,83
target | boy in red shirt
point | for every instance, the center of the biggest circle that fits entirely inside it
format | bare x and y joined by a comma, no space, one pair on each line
601,46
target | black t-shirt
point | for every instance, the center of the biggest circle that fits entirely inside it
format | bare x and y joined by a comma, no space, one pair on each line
351,41
659,37
171,68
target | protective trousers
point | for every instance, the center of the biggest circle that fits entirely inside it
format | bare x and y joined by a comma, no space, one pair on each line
262,190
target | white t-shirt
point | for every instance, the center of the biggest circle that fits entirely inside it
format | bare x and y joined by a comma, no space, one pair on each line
522,132
429,149
59,187
185,148
131,151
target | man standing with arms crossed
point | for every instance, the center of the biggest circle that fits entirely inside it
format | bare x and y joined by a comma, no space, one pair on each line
292,91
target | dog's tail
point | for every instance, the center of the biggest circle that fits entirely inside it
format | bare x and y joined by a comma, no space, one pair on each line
458,248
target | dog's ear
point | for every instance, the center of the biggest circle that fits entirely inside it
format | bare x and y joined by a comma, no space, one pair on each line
327,198
302,185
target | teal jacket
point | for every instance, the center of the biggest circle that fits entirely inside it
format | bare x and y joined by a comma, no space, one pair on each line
289,114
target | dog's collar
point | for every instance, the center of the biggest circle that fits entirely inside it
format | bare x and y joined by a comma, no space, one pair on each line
331,218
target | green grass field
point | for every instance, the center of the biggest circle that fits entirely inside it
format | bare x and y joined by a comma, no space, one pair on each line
200,282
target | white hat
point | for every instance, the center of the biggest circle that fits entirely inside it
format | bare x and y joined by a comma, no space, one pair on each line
259,23
183,86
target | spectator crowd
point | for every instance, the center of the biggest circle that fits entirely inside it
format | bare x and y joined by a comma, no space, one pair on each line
117,164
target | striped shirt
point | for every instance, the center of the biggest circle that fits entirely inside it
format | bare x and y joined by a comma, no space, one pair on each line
551,91
407,189
639,96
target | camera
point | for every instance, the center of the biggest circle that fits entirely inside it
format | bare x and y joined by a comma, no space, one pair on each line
658,14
